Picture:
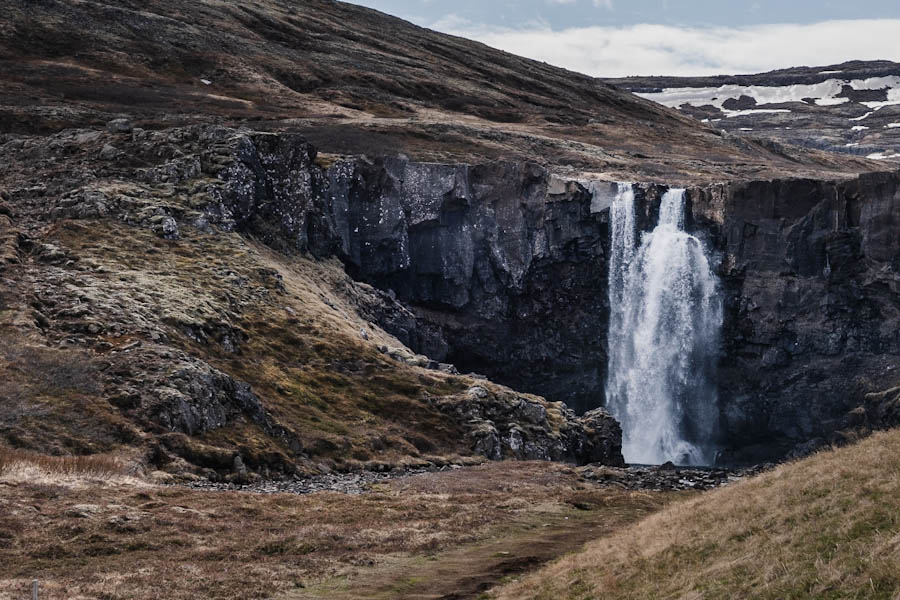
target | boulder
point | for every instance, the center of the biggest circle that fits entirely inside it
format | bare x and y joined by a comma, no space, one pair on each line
121,125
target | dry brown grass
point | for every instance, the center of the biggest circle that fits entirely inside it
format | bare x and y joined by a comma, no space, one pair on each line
149,541
13,462
825,527
52,399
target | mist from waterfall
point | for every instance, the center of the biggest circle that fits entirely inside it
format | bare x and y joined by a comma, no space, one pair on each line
665,319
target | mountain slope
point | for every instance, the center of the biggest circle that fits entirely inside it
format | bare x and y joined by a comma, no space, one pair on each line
824,527
353,81
135,319
522,298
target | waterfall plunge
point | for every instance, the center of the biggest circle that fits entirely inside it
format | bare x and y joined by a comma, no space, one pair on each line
665,317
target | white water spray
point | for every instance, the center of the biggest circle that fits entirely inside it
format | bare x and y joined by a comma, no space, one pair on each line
665,317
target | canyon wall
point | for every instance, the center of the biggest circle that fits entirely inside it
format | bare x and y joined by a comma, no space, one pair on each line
504,269
811,277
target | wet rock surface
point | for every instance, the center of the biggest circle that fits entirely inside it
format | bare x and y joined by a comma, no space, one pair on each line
811,282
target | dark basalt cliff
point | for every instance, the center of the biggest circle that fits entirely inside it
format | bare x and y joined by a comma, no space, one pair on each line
811,273
503,266
133,315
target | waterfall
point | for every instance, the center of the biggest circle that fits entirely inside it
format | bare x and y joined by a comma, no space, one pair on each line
665,317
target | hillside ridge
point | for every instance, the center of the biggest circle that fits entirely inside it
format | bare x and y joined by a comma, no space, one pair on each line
382,83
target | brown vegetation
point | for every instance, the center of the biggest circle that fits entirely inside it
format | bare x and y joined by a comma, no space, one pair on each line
95,465
82,343
357,81
827,527
122,540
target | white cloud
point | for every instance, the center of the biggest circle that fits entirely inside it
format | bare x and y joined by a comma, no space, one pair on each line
607,4
452,23
672,50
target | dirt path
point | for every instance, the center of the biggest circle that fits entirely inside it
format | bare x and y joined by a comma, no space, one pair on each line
469,571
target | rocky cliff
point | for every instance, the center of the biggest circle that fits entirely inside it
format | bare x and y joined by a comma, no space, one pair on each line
135,319
812,288
184,273
504,267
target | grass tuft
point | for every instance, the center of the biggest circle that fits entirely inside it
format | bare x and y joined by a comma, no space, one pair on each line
19,462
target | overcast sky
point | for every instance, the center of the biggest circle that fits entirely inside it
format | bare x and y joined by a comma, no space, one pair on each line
615,38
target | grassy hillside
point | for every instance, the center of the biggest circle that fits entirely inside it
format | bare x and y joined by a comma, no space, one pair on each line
824,527
353,80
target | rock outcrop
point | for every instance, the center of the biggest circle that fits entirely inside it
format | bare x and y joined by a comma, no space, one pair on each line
502,424
128,293
504,263
849,108
502,268
811,277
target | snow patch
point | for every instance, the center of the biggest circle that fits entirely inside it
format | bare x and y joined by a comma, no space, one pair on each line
865,116
893,96
824,93
858,128
753,111
831,101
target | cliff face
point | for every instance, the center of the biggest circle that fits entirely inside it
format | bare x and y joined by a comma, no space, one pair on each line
503,265
134,319
504,268
810,273
133,314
